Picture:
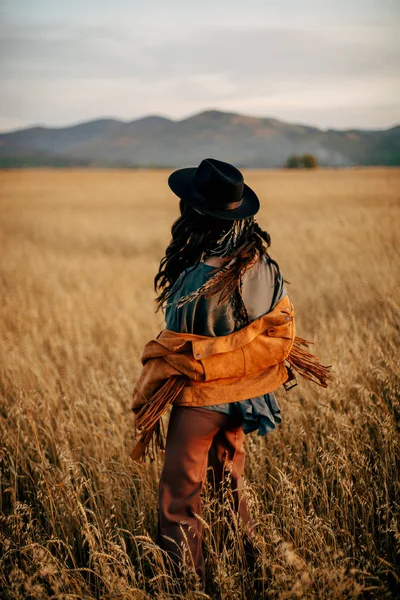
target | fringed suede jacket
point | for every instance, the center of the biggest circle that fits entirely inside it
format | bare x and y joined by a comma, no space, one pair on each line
194,370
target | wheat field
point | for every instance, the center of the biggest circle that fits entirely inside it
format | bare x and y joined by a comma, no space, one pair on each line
79,250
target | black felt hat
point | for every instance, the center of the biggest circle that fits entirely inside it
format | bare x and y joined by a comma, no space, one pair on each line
215,188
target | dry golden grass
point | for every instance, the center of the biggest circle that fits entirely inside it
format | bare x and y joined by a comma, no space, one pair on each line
79,250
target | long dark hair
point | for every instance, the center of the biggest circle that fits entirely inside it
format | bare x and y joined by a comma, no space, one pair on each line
195,237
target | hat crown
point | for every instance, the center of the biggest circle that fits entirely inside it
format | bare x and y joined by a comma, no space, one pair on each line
219,184
215,188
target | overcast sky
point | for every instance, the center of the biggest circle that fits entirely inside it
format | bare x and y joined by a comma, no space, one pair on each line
330,63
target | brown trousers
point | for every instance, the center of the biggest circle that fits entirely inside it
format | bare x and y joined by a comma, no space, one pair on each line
197,438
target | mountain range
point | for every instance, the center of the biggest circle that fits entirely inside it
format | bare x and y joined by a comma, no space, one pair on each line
155,141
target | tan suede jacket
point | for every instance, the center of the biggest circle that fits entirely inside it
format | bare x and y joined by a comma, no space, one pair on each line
246,363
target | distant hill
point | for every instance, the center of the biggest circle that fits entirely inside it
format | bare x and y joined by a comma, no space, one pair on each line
155,141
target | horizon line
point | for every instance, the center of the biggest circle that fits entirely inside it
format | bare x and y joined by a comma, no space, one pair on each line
189,116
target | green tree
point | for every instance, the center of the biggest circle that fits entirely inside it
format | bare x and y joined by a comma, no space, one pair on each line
308,161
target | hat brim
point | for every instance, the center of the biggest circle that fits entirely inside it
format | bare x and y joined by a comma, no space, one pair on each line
181,183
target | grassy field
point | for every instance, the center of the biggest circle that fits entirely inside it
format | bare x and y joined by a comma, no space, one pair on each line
79,250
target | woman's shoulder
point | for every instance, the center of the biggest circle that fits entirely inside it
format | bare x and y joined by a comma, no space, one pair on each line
263,287
264,268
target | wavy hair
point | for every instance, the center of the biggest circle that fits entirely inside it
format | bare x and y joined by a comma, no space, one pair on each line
196,237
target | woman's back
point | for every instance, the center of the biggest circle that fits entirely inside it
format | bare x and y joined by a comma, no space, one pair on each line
262,288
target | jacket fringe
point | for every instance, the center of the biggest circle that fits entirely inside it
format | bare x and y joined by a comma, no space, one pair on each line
307,365
148,418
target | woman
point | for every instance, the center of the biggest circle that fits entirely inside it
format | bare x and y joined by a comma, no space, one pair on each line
216,224
229,336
